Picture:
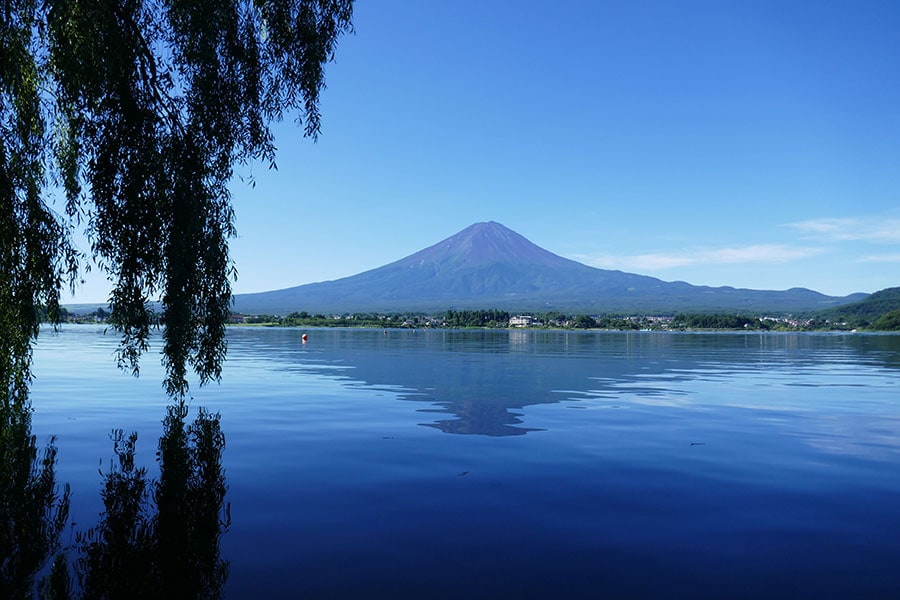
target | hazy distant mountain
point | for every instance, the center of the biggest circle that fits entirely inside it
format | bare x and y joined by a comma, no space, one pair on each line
488,265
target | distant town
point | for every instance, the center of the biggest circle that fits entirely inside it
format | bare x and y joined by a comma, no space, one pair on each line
499,319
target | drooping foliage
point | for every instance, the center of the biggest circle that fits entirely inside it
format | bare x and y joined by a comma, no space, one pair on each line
34,257
125,118
139,110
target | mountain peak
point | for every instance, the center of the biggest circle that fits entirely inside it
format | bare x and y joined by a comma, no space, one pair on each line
488,242
487,227
490,229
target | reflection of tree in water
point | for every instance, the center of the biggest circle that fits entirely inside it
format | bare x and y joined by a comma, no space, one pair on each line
154,539
32,511
165,542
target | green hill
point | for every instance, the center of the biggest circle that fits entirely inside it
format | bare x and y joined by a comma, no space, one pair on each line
888,322
875,312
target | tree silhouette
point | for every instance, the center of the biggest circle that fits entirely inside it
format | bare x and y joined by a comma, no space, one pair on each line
137,112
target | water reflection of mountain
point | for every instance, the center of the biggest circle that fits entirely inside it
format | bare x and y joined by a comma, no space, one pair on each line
448,369
526,368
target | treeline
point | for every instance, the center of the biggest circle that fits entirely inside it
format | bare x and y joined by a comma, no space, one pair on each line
304,319
729,321
557,319
499,319
620,323
551,319
716,321
888,322
99,315
453,319
475,318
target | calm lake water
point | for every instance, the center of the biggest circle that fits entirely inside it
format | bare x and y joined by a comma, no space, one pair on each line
523,463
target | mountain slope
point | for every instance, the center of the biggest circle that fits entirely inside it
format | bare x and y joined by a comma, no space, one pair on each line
865,312
488,265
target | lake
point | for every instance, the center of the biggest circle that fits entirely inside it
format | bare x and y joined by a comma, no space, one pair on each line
522,463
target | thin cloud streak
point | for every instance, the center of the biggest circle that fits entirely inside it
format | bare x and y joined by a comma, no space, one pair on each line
868,229
880,258
759,253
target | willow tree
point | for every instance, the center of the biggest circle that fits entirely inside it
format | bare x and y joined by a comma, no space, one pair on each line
136,112
125,119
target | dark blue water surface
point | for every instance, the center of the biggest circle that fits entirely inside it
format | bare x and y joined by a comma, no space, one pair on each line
524,463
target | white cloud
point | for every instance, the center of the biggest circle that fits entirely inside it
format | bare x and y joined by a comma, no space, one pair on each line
880,258
759,253
870,229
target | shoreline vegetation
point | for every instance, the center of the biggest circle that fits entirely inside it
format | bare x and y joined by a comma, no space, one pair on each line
880,311
499,319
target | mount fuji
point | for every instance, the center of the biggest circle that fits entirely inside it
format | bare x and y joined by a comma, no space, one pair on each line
487,265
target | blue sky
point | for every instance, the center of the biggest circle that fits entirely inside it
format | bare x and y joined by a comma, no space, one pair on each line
750,144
